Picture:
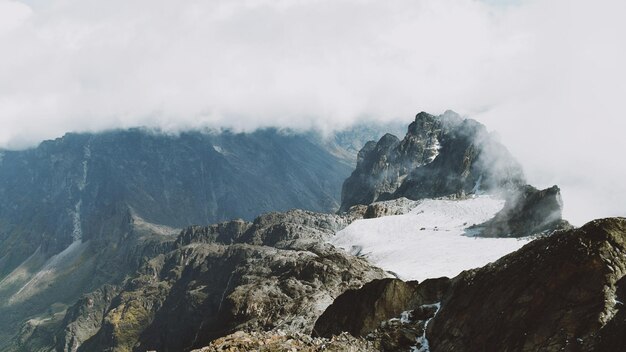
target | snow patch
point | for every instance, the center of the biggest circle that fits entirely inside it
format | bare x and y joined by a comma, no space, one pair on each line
82,183
431,240
434,148
77,229
405,317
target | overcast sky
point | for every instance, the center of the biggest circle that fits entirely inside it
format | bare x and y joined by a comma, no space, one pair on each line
547,75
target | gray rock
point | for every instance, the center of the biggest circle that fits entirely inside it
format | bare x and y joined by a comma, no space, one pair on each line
557,293
439,156
363,310
527,211
272,274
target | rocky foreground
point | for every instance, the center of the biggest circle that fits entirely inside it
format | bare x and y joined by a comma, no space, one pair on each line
280,341
559,293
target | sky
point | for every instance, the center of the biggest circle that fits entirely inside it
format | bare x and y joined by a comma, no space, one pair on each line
547,76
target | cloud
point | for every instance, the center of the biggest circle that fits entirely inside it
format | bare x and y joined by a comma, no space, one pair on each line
547,75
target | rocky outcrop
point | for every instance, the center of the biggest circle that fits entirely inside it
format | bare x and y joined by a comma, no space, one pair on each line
360,311
280,341
527,211
439,156
387,208
562,292
275,273
363,310
83,319
391,314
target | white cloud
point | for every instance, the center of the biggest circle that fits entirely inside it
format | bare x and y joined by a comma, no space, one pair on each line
548,75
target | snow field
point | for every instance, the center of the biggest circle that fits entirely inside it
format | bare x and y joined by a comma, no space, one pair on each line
431,240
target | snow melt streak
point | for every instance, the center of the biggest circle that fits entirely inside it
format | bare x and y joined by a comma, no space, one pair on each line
429,241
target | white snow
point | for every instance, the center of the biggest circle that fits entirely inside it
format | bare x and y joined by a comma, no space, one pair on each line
405,317
435,149
430,241
77,229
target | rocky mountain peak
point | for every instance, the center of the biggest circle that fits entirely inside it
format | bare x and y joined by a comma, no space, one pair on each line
439,156
527,211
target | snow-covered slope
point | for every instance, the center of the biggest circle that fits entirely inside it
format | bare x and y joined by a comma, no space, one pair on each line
430,241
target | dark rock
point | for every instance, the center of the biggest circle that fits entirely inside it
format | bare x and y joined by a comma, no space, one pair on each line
360,311
556,293
83,319
439,156
226,233
527,211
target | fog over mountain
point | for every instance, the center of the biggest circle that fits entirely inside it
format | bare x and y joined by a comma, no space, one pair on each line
546,75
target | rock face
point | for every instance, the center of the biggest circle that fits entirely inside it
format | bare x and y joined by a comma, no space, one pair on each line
275,273
280,341
360,311
439,156
390,314
87,209
59,191
562,292
527,211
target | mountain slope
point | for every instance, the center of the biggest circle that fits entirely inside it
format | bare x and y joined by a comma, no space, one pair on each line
84,210
273,274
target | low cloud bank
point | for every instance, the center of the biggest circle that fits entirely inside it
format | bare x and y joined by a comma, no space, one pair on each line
547,75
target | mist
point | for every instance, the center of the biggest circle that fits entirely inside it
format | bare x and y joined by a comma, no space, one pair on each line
547,75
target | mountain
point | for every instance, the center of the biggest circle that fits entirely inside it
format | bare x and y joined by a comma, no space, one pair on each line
449,156
87,209
439,156
276,273
446,201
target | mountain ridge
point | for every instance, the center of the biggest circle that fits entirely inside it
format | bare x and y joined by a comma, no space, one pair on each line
155,282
